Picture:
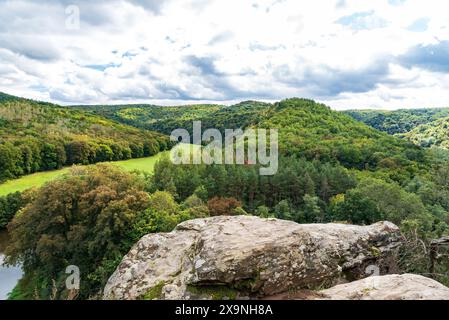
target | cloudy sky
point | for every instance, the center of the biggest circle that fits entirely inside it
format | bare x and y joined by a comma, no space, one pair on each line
345,53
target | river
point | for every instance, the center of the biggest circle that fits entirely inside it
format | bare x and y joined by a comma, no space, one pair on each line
8,275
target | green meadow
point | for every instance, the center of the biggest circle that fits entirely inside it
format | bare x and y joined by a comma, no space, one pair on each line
40,178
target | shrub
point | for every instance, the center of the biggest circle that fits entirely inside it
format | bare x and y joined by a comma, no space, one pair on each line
223,206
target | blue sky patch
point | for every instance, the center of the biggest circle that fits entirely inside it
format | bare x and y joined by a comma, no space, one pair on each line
363,21
419,25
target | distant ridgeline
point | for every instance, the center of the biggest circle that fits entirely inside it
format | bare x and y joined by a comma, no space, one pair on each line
423,127
398,121
307,129
331,168
38,136
433,134
166,119
251,113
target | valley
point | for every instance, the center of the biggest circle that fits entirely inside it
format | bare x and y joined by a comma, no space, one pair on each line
241,151
122,187
38,136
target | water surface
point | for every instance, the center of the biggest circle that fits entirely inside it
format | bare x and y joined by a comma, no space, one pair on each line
8,275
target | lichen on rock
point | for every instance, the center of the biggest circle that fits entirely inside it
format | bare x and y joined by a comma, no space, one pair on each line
253,256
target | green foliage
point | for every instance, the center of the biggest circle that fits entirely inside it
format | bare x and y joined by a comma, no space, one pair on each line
263,212
331,168
155,292
215,292
311,209
37,136
82,219
314,131
163,201
166,119
283,211
9,205
143,165
162,215
299,186
398,121
306,128
192,202
354,207
433,134
374,200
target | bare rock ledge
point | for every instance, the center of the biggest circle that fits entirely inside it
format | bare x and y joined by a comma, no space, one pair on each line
250,257
389,287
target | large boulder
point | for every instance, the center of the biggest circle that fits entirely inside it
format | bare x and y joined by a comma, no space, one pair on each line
389,287
245,256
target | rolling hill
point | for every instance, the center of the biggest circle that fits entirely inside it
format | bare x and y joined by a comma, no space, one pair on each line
433,134
423,127
165,119
307,129
315,131
398,121
38,136
331,168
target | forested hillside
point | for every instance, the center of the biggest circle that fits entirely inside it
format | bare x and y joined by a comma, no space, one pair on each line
6,97
433,134
166,119
398,121
37,136
315,131
423,127
331,168
307,128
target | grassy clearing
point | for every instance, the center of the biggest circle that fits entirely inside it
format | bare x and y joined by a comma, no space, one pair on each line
29,181
40,178
141,164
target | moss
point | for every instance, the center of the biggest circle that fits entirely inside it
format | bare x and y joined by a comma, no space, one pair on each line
250,284
245,285
367,290
216,292
154,293
375,252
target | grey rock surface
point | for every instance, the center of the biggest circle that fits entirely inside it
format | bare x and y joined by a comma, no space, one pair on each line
389,287
246,256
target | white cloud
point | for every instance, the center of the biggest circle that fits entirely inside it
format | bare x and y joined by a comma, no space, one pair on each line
346,53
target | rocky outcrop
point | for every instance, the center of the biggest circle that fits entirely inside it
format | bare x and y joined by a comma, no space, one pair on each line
389,287
245,256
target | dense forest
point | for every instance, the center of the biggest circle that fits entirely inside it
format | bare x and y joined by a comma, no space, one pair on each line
433,134
398,121
166,119
423,127
37,136
332,168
